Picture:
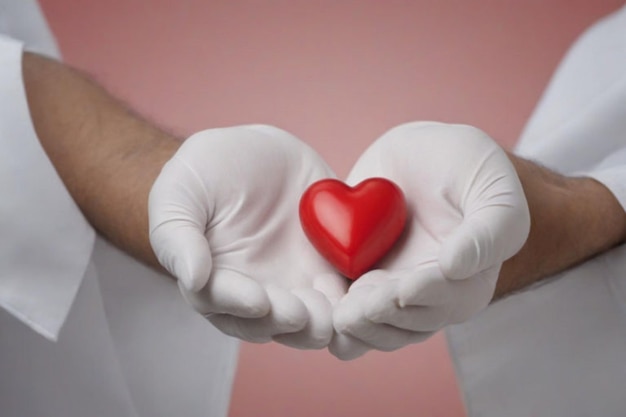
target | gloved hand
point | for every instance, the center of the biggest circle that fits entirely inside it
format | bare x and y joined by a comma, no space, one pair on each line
467,215
224,221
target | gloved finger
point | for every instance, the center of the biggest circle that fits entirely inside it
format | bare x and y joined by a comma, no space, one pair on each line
424,286
332,285
347,348
229,292
350,318
178,219
287,315
496,220
240,328
443,301
472,295
344,346
319,328
385,337
352,306
384,307
412,318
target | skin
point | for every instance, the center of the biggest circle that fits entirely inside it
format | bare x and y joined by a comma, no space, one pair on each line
108,158
572,220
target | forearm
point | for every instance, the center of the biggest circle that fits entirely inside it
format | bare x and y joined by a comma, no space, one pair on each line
572,220
106,156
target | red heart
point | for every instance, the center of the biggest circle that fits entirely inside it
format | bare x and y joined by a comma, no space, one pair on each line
353,227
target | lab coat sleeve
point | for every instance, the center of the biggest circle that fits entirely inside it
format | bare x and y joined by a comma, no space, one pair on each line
581,117
612,173
45,242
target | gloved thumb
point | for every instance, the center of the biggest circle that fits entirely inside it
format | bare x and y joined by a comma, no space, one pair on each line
489,234
177,223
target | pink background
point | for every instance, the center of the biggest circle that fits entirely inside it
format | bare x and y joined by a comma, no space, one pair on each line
337,74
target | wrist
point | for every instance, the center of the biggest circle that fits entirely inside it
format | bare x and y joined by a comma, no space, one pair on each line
572,220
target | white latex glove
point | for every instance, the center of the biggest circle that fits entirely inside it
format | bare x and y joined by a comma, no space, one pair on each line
467,214
224,221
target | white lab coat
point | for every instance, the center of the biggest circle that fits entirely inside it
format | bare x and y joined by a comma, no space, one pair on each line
558,349
84,329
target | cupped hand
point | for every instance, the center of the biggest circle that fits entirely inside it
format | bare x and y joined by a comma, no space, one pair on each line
467,215
223,220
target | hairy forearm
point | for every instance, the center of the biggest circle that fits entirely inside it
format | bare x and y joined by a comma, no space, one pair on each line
106,156
572,220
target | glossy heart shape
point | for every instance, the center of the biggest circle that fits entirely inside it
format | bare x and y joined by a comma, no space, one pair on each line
353,227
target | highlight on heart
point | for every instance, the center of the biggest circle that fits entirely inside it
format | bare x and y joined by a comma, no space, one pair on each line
353,227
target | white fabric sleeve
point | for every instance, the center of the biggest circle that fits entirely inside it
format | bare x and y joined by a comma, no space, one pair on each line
45,242
24,20
612,173
581,117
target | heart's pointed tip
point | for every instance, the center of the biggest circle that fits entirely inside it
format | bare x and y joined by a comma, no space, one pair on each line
351,276
354,269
